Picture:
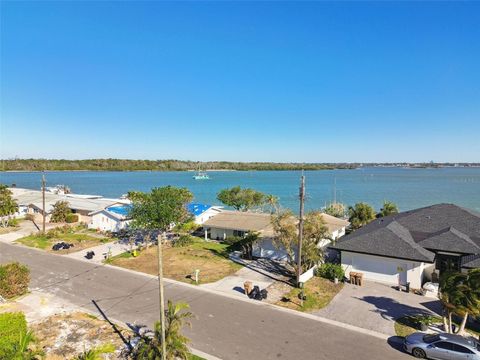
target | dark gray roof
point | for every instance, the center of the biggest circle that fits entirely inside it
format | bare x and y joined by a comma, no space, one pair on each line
451,239
408,235
473,264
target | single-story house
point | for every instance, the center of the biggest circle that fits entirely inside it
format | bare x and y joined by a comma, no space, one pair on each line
82,205
408,247
238,223
202,212
113,218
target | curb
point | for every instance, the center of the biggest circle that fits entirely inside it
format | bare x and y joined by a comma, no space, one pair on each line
354,328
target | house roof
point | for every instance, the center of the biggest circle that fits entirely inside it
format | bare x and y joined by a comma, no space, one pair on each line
197,209
412,234
243,221
261,222
473,264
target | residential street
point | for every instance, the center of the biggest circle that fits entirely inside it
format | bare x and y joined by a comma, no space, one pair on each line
225,327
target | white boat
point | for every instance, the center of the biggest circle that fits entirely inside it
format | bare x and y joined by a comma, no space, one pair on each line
201,176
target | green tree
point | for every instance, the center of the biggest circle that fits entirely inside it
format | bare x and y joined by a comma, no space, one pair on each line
271,202
336,209
150,348
460,295
245,243
60,211
160,209
285,226
360,215
8,206
241,199
389,208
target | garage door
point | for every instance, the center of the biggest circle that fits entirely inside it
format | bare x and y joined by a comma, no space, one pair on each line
377,268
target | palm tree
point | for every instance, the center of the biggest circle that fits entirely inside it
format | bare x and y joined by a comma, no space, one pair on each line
272,202
150,348
360,214
460,294
389,208
23,349
96,354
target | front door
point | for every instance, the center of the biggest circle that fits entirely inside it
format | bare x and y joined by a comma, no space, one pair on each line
447,262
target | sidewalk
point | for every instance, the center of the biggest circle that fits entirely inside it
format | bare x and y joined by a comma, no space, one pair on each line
101,251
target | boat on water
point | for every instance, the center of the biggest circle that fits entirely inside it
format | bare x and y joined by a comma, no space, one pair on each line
201,175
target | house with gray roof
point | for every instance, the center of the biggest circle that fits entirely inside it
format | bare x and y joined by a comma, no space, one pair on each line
410,246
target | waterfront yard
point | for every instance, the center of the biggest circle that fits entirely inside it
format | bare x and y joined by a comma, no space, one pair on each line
79,236
179,263
319,292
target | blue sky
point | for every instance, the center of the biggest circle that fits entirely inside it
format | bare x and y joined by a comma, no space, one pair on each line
246,81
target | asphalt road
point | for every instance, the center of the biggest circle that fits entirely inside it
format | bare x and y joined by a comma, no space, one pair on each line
224,327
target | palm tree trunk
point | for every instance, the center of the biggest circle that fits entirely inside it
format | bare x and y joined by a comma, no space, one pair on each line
461,330
450,322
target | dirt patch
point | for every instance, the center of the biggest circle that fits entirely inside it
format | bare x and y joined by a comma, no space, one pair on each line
65,335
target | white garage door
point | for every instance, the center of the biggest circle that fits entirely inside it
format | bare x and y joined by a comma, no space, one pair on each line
378,268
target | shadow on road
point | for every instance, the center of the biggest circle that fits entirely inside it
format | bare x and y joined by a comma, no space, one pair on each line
114,327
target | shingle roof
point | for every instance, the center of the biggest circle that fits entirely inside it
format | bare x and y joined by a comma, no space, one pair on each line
408,235
240,220
474,264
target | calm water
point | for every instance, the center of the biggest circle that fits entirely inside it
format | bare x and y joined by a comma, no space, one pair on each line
409,188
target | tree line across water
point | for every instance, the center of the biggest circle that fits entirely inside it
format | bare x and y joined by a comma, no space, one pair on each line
155,165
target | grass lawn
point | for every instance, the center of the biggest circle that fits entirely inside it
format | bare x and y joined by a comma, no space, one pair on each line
210,258
407,325
319,292
80,240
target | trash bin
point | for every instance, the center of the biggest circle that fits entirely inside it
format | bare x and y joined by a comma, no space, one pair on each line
247,286
407,287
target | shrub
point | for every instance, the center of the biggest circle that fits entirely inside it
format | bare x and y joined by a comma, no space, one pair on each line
13,222
13,326
14,280
182,241
330,271
71,218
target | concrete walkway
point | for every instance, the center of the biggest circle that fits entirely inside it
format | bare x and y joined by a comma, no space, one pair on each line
25,228
375,306
233,284
101,251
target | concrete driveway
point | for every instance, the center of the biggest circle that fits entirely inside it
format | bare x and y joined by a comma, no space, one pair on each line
375,306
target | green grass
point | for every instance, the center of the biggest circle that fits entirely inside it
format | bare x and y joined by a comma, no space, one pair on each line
12,326
319,293
195,357
43,242
179,263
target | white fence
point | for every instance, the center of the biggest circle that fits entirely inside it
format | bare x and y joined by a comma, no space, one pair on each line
307,275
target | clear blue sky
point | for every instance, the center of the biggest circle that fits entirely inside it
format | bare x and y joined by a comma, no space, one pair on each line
247,81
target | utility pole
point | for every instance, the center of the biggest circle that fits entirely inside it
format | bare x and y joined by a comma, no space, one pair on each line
300,228
160,290
43,203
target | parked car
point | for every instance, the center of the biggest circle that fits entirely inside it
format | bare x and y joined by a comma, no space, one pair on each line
442,346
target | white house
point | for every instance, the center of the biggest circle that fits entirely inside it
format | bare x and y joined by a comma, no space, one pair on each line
410,246
202,212
113,218
238,223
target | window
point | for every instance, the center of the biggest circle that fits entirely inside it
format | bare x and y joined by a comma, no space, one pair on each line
444,345
431,338
238,233
461,349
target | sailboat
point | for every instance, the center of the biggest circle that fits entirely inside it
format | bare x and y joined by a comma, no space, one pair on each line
201,175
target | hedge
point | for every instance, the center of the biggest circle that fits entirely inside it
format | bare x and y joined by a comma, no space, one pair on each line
14,280
71,218
12,327
330,271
